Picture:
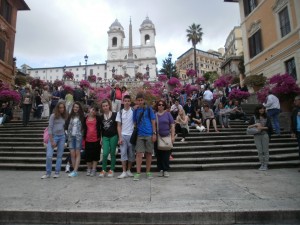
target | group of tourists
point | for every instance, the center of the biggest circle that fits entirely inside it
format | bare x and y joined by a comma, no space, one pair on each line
78,121
108,129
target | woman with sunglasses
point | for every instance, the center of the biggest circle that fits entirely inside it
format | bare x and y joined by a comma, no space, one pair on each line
166,127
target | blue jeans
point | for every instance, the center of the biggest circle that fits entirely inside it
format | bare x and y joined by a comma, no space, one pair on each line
60,142
273,114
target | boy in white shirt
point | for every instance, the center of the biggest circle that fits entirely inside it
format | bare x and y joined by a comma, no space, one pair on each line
125,129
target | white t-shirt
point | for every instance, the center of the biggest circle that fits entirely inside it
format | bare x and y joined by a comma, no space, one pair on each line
127,121
208,95
74,128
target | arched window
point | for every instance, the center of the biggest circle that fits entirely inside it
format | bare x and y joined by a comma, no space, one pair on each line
114,42
147,39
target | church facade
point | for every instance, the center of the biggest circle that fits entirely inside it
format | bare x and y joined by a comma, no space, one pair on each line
121,58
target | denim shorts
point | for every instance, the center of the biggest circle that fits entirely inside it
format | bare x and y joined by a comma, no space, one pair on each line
75,144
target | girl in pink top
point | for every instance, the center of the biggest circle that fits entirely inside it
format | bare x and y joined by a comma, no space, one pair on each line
92,136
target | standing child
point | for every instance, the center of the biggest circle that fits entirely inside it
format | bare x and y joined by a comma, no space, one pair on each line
109,137
92,136
125,129
74,127
57,139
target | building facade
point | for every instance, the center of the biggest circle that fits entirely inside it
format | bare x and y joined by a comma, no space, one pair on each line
51,74
206,62
121,59
234,52
271,36
8,21
131,59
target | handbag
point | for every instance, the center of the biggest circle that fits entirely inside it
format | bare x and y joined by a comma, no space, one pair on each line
252,131
163,143
134,135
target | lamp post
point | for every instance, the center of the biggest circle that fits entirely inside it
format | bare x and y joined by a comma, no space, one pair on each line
64,70
170,61
86,59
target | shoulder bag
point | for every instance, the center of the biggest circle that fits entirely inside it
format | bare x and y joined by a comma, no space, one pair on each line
163,143
134,134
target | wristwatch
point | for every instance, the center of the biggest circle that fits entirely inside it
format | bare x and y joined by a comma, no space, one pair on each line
154,133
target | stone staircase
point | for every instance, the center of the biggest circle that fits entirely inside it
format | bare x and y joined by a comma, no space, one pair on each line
21,148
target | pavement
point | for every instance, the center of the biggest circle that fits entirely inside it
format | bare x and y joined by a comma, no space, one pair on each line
204,197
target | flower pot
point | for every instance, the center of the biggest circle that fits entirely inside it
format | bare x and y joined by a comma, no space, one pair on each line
286,105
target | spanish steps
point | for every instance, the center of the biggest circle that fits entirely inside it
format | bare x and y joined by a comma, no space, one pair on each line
21,148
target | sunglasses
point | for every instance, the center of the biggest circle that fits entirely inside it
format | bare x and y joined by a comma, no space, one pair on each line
161,105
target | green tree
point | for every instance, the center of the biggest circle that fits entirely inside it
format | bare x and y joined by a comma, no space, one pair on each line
211,76
169,68
194,35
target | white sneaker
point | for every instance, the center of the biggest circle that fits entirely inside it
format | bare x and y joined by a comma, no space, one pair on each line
67,168
161,173
45,176
93,173
56,175
182,140
88,172
129,174
166,174
110,173
102,174
123,175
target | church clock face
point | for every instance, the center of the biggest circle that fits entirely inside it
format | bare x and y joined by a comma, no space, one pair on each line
113,55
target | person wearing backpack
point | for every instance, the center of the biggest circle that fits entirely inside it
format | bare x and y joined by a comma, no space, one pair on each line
57,139
144,119
125,129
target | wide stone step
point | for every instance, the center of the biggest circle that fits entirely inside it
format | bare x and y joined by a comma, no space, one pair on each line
229,146
174,167
243,152
194,160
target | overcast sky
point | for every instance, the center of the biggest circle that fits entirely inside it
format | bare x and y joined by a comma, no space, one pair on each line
62,32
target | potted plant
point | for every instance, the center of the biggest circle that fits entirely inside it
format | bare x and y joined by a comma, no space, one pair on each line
84,84
162,78
68,75
238,95
8,95
223,81
255,81
92,78
173,81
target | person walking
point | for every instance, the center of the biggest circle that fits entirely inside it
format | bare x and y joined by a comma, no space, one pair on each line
262,122
109,137
125,129
74,127
166,127
57,139
92,137
144,120
273,109
295,121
